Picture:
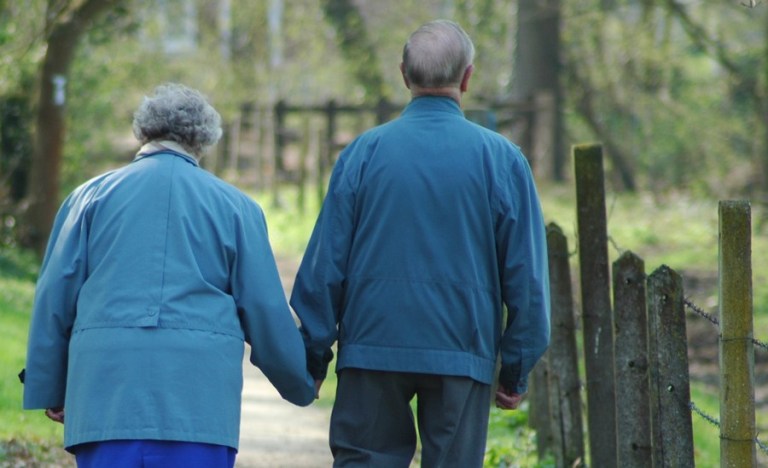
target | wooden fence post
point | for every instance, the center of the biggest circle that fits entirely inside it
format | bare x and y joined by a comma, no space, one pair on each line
279,156
540,415
671,426
596,304
633,417
564,386
737,380
303,158
325,161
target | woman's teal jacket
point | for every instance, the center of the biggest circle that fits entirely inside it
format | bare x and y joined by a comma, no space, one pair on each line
154,276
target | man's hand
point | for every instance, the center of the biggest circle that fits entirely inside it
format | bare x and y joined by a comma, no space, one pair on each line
318,384
55,414
506,399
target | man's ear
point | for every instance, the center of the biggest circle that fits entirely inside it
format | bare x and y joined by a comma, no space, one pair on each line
465,79
405,78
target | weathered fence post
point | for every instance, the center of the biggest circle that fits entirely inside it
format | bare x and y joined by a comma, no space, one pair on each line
325,161
737,393
671,426
303,158
564,386
633,417
383,110
279,139
540,415
596,304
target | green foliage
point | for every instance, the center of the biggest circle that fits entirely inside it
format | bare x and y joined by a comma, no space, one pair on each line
361,56
678,87
683,107
511,443
21,25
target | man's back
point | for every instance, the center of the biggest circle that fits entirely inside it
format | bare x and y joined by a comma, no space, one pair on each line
423,205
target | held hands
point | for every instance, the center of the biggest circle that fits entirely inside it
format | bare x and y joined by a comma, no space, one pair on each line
55,414
506,399
318,384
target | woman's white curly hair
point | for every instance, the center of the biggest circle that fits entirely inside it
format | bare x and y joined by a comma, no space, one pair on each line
180,114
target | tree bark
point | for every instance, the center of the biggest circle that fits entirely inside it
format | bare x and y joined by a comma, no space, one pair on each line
537,72
64,32
356,46
586,108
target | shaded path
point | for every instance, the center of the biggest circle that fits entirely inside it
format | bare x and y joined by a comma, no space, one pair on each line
275,433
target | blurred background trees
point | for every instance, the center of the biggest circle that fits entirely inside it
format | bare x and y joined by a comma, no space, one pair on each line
675,89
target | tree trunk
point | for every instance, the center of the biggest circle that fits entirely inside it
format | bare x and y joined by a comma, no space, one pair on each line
621,166
356,46
64,34
537,73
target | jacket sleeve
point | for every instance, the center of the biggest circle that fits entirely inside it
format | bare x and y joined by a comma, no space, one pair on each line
318,292
62,274
269,326
522,251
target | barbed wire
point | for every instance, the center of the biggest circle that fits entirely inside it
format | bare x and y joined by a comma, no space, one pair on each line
716,422
716,322
711,419
699,311
762,445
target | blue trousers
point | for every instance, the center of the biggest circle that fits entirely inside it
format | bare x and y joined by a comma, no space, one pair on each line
153,454
372,424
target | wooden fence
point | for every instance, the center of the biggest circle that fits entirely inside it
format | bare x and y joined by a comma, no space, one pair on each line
269,147
635,357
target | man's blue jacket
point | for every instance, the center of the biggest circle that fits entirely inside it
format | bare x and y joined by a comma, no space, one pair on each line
432,224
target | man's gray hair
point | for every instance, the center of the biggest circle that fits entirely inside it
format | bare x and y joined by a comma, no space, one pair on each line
437,54
180,114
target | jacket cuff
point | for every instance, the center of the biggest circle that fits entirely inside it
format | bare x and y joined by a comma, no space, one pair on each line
317,365
510,379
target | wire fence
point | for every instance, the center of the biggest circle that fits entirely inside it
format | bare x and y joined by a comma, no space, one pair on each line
699,311
760,345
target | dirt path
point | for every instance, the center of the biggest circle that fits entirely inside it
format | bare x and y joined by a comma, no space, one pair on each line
273,432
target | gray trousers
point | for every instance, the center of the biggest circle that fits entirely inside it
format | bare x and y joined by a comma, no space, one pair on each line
372,423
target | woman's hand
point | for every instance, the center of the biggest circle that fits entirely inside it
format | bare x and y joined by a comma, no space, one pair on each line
55,414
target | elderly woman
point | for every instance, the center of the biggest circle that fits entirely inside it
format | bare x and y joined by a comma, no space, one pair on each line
154,276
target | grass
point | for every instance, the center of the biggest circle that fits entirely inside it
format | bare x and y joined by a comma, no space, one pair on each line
24,435
675,230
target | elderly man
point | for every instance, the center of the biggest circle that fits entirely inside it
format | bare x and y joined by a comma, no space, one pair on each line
155,275
431,225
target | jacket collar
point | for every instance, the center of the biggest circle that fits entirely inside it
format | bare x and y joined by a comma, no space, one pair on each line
433,104
168,147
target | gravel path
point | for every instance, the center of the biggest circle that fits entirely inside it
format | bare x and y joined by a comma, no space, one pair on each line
273,432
